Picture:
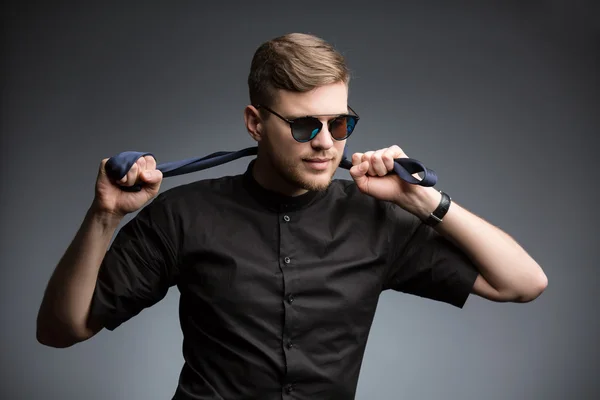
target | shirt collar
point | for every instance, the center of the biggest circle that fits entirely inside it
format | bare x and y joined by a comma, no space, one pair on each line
276,201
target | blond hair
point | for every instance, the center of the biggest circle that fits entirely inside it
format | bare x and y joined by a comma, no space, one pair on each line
296,62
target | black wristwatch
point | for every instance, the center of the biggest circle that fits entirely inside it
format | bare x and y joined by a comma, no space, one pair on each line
438,214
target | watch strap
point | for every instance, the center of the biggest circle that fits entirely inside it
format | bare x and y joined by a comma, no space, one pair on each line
438,214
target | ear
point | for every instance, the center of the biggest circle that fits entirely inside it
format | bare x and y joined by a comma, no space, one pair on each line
254,123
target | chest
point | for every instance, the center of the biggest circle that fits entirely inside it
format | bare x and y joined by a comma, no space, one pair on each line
329,267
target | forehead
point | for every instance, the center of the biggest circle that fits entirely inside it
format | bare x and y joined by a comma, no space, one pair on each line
325,100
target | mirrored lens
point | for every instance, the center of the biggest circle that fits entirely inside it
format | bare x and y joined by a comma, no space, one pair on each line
342,127
305,129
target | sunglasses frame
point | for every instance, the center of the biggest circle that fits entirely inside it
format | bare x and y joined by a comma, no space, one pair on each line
291,122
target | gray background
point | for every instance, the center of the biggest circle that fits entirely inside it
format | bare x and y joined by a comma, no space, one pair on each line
500,98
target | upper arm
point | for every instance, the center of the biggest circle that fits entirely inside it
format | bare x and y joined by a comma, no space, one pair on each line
424,263
138,269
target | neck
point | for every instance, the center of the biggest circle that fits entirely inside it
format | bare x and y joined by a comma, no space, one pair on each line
267,176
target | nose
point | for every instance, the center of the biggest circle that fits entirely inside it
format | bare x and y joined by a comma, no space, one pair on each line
323,140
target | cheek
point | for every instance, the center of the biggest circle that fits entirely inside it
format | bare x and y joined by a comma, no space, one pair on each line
340,146
279,138
280,149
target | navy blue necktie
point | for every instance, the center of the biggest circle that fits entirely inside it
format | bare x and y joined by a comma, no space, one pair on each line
118,166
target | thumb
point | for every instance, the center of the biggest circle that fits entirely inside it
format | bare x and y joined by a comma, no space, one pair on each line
358,173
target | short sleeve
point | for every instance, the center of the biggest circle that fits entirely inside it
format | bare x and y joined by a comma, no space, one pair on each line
424,263
139,267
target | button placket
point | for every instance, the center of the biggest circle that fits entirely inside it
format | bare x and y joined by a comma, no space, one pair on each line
288,254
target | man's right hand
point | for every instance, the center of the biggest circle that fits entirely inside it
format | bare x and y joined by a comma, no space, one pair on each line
114,201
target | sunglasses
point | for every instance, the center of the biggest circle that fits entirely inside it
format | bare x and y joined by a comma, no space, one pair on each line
304,129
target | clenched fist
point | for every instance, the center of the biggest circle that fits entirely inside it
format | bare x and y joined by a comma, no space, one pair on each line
112,199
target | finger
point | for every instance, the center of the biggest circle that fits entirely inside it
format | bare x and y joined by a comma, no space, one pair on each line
398,152
358,173
367,157
150,162
148,170
388,157
141,162
151,177
377,163
356,158
131,176
134,177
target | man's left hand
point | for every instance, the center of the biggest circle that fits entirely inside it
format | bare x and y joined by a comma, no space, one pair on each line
371,170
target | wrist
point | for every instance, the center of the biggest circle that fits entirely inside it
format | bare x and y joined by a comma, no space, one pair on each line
425,202
105,218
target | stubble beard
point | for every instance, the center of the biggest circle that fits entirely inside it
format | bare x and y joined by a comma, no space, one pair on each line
293,172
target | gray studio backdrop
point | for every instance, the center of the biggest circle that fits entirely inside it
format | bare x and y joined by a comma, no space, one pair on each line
501,101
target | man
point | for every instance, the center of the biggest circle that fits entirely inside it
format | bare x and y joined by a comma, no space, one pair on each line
279,268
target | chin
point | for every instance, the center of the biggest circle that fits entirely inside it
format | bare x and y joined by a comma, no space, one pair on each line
316,182
315,186
299,175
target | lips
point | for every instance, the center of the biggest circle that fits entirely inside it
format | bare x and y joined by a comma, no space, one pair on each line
318,160
318,164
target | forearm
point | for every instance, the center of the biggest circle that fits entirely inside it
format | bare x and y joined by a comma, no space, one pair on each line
63,314
501,261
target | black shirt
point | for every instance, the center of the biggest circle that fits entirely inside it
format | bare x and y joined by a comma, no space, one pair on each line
277,293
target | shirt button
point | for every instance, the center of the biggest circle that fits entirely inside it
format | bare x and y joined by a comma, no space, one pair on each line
290,298
289,344
289,388
287,260
286,218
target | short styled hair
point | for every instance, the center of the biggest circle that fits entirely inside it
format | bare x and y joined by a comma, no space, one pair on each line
296,62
